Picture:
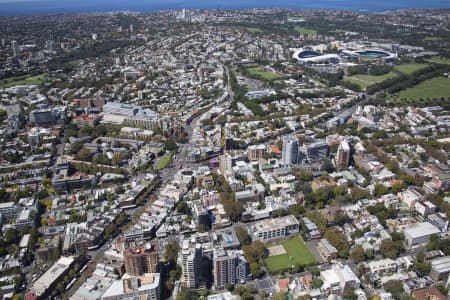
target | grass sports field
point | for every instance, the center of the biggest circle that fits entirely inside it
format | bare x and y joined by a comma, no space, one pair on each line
22,80
440,60
367,80
303,30
164,161
409,68
264,75
437,87
253,29
297,250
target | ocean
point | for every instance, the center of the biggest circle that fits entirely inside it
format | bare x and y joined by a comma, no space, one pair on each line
27,7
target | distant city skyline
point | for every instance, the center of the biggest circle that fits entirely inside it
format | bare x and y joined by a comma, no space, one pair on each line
21,7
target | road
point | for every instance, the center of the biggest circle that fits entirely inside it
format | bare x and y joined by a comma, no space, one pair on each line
165,175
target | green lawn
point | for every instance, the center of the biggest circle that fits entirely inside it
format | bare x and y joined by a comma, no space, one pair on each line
437,87
264,75
253,29
296,249
409,68
440,60
22,80
164,161
303,30
367,80
433,39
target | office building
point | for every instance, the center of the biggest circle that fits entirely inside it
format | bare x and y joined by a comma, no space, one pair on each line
289,154
130,114
343,155
146,286
26,218
225,164
271,229
140,260
255,152
313,152
8,210
317,151
42,117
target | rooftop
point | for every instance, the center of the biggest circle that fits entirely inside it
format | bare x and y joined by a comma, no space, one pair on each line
441,265
56,270
421,229
270,224
148,281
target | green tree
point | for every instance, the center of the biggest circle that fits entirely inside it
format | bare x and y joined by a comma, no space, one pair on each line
279,296
317,282
171,253
187,294
358,254
349,294
327,166
170,144
380,190
183,208
255,269
255,251
341,218
3,115
443,289
317,218
233,209
395,287
388,249
397,188
60,287
204,293
243,235
338,240
357,194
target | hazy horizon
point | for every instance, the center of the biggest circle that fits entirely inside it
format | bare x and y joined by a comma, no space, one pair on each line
27,7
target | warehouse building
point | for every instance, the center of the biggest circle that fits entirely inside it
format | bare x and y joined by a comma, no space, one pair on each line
440,268
419,233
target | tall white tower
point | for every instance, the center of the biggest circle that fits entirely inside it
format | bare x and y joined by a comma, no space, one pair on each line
290,150
15,48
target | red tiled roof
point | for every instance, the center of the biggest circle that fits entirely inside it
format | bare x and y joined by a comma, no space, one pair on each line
283,283
275,149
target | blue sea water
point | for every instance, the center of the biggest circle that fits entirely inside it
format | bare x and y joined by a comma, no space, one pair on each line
25,7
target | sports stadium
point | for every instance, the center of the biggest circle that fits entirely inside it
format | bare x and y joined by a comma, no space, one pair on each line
307,56
370,54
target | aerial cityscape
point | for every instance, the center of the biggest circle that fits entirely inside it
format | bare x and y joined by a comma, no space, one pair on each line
224,152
